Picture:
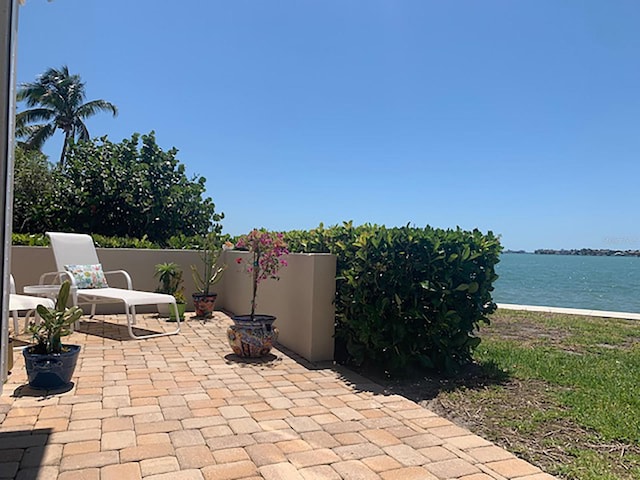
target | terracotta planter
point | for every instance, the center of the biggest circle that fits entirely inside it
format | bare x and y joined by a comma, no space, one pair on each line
252,338
204,304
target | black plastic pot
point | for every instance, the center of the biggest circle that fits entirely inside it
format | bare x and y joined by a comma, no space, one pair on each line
51,371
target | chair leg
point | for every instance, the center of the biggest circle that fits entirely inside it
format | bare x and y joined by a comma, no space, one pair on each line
16,328
131,312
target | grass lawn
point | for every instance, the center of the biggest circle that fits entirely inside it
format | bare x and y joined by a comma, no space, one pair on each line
560,391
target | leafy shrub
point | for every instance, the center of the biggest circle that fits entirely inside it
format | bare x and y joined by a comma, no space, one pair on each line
30,239
127,189
104,241
407,297
33,190
177,242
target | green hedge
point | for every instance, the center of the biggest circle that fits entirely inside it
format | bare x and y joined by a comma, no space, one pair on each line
179,242
407,297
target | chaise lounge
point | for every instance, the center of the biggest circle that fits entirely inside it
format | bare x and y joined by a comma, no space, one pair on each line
18,303
77,260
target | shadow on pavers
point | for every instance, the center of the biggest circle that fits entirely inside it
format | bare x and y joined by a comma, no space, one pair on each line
24,451
418,386
112,331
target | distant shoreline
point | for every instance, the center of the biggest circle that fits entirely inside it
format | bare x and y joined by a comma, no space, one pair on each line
592,252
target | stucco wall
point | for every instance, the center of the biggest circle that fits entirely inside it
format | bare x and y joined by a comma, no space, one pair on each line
302,299
28,263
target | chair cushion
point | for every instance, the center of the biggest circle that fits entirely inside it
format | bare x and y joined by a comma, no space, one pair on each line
88,276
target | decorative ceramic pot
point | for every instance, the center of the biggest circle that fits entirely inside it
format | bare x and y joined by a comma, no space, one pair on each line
252,338
204,304
51,371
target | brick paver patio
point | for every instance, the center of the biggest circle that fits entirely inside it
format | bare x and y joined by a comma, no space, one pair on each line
182,408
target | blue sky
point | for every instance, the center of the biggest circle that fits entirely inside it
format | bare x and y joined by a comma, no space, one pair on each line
518,117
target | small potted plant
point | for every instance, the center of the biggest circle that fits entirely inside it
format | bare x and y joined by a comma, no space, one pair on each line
49,363
204,299
169,275
253,334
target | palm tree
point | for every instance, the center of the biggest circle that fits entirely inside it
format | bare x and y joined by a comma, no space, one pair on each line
58,100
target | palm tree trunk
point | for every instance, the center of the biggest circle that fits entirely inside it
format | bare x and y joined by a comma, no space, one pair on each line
67,135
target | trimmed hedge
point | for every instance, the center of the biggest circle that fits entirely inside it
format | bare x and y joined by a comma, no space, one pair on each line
179,242
407,297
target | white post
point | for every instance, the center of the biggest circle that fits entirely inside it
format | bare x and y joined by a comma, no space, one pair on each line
8,52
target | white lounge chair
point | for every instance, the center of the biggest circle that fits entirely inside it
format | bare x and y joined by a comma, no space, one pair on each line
76,253
28,303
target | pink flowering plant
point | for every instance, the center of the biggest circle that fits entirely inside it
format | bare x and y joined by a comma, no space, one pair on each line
267,249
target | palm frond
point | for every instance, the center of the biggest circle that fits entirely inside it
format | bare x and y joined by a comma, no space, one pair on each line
25,131
81,131
59,96
31,93
91,108
35,115
41,133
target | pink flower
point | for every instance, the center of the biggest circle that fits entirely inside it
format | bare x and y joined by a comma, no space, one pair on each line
266,249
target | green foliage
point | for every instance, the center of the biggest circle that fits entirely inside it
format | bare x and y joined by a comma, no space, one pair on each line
607,403
118,189
211,272
58,99
169,275
123,190
33,190
30,240
104,241
177,242
588,369
407,297
56,323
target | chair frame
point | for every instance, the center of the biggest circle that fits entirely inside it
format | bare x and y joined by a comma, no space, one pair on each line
129,297
26,303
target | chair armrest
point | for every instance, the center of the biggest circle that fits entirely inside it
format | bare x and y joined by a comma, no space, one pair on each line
127,277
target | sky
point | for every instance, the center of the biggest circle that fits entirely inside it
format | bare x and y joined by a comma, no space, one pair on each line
522,118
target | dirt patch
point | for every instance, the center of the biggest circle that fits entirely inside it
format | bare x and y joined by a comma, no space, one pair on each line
524,329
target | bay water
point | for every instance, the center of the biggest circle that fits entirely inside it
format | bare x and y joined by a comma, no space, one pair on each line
573,281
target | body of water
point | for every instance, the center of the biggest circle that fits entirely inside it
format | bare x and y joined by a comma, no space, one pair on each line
598,283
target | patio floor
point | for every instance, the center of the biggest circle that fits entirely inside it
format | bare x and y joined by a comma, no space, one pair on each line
182,407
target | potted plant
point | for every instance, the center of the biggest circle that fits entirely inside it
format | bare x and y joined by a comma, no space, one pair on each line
181,303
49,363
169,275
253,334
204,299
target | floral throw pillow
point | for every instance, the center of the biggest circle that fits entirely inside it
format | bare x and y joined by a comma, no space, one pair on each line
87,276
